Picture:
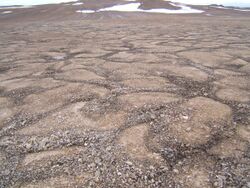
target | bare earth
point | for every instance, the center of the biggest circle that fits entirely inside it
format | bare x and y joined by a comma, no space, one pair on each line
124,99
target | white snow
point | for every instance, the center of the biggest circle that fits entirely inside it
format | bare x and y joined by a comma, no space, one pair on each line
131,7
243,10
235,3
86,11
32,2
228,8
76,4
134,7
220,7
6,12
15,7
184,10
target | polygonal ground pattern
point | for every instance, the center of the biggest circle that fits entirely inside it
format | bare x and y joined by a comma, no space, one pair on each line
124,99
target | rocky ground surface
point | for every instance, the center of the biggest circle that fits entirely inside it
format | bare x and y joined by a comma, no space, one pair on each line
125,100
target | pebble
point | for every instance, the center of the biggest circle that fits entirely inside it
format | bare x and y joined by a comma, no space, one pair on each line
98,160
185,117
176,171
108,148
129,163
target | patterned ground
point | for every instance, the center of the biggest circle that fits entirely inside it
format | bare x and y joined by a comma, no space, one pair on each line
125,103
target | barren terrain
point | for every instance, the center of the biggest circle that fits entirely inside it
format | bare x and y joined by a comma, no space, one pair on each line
119,99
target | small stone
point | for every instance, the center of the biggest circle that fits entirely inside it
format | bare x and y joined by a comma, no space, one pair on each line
43,143
28,146
108,148
97,173
153,116
151,167
248,184
98,160
179,163
216,184
58,57
176,171
185,117
92,165
23,122
129,163
6,172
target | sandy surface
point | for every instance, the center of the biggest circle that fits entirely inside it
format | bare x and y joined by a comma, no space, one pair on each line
115,99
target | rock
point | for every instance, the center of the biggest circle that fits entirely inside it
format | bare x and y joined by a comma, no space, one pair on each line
108,148
176,171
129,163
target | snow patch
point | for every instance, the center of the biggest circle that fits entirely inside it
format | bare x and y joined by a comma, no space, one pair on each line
76,4
234,3
243,10
86,11
32,2
228,8
6,12
131,7
15,7
134,7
